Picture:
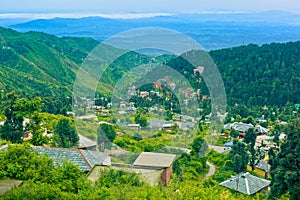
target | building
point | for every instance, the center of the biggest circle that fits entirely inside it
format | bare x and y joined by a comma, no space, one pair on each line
262,168
199,70
246,183
86,143
183,118
239,126
261,130
153,168
169,126
85,159
159,161
156,124
134,126
91,116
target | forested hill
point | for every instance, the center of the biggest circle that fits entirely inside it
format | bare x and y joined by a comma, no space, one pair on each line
261,75
42,64
39,63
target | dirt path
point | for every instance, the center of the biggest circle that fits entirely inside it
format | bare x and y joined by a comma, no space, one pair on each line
211,171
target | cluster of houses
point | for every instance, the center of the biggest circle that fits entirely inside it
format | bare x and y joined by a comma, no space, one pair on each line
154,168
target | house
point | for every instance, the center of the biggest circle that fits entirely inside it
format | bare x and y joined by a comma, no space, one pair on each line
92,116
261,168
199,70
85,159
86,143
157,160
131,109
239,126
261,130
246,183
135,126
183,118
154,168
168,126
156,124
187,125
144,94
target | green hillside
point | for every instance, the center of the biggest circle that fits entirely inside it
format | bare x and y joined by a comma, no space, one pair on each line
40,63
254,75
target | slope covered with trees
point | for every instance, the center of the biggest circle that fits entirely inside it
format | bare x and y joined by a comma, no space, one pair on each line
42,64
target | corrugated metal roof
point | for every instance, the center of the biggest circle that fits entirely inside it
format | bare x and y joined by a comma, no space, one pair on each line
83,158
154,159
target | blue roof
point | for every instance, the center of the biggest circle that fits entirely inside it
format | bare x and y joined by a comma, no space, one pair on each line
229,144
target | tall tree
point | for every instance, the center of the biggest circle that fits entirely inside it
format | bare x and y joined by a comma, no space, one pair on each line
13,129
234,134
255,153
106,135
285,168
65,134
238,157
141,117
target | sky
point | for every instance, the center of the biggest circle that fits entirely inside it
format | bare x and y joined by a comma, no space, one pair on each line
141,6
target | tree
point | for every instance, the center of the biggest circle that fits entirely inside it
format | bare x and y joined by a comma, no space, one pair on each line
141,117
65,134
239,157
285,166
255,153
13,129
15,109
106,135
38,139
23,163
199,147
234,133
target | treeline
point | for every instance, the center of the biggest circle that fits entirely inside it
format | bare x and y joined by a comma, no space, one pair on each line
260,75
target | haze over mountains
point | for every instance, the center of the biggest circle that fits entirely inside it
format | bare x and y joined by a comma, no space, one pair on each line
211,30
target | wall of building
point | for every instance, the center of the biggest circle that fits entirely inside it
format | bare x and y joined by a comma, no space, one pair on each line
166,175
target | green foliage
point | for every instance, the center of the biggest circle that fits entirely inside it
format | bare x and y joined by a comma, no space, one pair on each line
65,134
12,129
111,177
285,165
234,133
23,163
238,158
190,167
106,135
145,144
199,147
141,117
222,140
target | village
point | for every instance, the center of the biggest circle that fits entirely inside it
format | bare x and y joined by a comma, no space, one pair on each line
156,167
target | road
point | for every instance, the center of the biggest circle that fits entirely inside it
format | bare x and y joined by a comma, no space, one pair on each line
211,171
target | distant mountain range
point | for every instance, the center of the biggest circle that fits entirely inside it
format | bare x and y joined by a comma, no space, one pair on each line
212,31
